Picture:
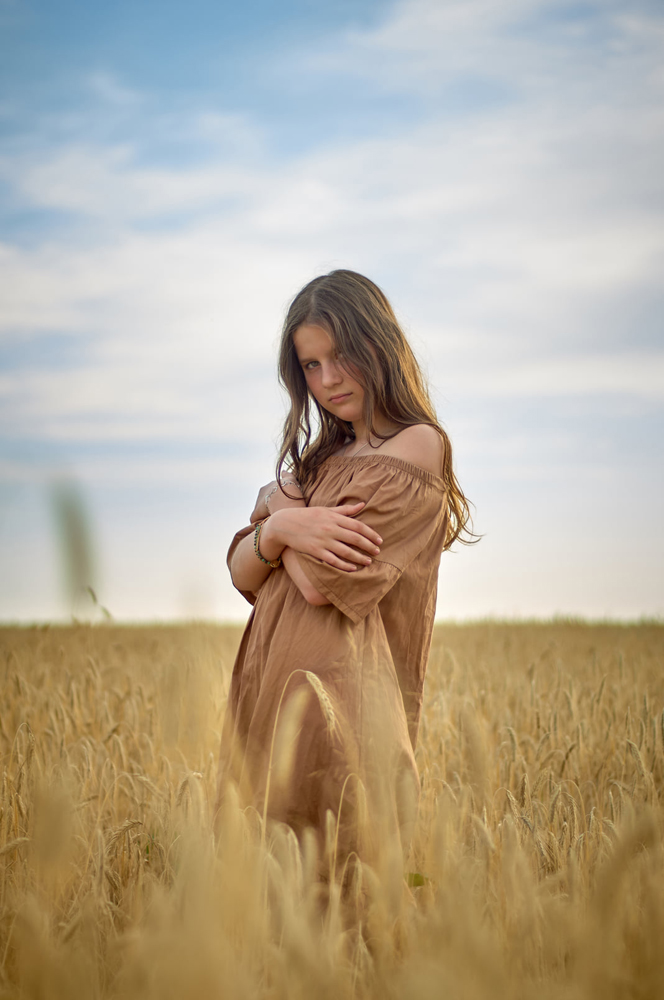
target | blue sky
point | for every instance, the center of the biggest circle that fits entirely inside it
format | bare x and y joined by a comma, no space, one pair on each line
171,174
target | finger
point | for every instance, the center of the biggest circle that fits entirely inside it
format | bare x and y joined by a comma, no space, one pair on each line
350,554
334,560
345,510
360,528
358,541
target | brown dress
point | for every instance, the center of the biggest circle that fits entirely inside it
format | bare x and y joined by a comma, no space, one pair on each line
325,702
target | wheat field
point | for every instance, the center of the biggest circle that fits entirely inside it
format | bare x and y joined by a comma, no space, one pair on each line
536,868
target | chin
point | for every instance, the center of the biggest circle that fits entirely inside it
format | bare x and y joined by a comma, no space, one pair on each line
350,416
339,409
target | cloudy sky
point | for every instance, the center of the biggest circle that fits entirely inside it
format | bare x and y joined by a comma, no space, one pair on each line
172,173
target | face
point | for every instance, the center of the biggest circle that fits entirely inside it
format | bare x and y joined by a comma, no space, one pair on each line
329,383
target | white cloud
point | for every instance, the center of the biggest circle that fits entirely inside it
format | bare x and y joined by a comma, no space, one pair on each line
166,311
105,184
534,49
107,87
577,375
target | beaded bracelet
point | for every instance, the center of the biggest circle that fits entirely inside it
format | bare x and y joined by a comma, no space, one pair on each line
257,534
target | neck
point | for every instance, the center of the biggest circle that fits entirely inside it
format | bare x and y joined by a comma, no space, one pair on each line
381,424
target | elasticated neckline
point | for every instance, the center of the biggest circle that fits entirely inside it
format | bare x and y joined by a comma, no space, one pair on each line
397,463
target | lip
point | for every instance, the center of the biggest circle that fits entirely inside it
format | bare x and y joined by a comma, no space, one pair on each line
337,399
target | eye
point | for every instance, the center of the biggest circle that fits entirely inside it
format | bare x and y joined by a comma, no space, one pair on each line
310,365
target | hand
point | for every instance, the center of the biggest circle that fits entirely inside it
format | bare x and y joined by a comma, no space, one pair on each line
329,533
277,499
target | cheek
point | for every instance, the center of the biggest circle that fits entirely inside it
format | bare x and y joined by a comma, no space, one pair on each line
352,375
357,385
312,380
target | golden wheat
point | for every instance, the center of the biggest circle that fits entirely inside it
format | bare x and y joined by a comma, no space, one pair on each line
536,867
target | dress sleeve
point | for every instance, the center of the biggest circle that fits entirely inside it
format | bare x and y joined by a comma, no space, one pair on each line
405,511
242,533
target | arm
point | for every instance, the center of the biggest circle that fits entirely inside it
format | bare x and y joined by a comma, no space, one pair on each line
301,580
247,571
409,510
327,533
288,557
420,444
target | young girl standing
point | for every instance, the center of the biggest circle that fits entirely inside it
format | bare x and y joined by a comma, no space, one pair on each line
340,561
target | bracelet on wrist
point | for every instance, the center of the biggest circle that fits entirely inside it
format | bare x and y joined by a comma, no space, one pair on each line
275,564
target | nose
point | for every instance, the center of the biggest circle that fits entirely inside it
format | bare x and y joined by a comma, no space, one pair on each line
331,375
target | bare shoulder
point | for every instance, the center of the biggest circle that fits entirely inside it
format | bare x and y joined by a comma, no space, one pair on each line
421,445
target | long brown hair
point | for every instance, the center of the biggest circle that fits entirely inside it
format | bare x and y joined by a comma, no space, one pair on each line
366,334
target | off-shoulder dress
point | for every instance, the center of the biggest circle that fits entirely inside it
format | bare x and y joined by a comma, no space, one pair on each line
325,702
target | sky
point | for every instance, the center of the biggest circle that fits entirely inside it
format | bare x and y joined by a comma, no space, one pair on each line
172,174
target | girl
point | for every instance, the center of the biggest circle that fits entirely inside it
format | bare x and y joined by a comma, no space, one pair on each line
340,561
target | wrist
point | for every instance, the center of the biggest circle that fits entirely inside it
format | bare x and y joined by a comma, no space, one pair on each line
271,544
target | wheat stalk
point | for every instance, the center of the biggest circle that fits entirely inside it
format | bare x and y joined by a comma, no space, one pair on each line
323,700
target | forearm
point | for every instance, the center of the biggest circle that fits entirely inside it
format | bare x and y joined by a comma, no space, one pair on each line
301,580
247,571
